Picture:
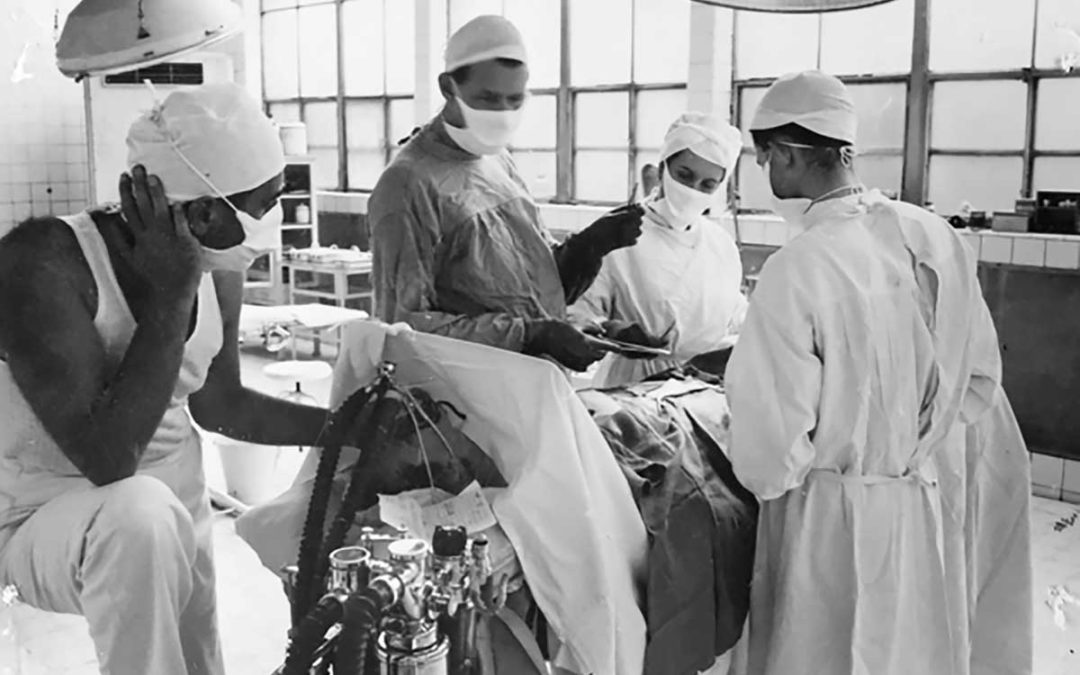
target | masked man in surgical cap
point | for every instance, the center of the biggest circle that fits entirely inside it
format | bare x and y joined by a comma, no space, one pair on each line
681,285
868,415
459,246
113,323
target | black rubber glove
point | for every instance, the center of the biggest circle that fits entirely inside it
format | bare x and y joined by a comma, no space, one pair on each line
713,363
624,331
632,333
562,342
614,230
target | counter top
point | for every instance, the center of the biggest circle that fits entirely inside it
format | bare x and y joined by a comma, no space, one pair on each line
1028,249
1010,248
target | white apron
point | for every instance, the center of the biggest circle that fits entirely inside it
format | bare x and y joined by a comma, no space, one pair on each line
866,338
682,284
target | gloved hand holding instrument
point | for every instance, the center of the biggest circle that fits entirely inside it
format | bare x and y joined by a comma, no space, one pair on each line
615,229
580,256
566,344
630,339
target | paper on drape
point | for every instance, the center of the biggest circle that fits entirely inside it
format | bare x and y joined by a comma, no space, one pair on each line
421,511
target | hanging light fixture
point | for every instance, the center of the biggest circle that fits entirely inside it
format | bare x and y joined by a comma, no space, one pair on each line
793,6
102,37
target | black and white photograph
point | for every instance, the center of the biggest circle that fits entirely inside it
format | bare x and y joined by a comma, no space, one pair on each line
539,337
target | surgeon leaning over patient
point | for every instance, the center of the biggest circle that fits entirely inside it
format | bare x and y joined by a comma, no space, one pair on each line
681,284
459,246
868,415
111,323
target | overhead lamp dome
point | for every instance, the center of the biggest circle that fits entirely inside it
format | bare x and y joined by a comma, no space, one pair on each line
793,6
102,37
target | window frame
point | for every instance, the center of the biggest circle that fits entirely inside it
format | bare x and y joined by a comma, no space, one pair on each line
920,82
739,87
340,98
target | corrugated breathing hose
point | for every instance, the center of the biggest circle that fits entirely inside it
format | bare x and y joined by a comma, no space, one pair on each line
355,653
341,421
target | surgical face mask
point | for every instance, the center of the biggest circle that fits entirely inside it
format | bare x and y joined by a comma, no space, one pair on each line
260,236
793,209
486,132
684,204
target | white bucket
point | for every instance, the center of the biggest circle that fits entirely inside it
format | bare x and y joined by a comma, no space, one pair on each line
251,471
294,139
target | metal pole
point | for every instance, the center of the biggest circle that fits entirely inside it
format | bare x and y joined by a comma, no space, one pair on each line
342,132
916,137
564,131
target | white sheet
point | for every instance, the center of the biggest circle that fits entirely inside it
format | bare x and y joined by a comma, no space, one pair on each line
568,510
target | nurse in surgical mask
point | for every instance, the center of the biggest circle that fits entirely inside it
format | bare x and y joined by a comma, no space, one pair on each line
680,286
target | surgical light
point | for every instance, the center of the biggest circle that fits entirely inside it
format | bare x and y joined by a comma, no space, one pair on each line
793,6
102,37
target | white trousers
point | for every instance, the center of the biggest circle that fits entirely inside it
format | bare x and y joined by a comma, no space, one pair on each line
136,562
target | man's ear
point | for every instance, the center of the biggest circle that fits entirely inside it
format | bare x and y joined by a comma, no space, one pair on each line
446,86
200,215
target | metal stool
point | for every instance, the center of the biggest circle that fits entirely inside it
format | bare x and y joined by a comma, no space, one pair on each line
299,373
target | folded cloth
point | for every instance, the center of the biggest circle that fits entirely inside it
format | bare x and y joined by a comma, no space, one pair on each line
702,523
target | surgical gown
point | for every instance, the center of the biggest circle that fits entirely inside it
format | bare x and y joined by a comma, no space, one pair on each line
683,283
459,247
866,367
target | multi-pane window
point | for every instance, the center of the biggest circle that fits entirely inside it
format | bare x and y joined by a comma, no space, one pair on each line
1000,98
870,49
354,117
1003,101
625,83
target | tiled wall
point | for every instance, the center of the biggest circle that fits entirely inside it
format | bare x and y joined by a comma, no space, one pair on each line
559,218
1013,248
43,156
1056,478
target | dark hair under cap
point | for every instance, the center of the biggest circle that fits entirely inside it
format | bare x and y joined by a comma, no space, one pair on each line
460,75
795,134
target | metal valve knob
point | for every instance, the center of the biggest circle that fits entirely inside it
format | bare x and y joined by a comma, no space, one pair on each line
408,551
349,569
449,542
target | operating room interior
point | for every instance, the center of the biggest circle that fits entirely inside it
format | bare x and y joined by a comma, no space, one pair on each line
967,109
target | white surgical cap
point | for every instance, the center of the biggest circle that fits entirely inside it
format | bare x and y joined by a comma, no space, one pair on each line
707,136
813,100
220,129
485,38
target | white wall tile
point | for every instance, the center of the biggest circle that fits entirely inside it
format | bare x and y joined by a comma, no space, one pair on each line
78,172
1072,475
973,240
1063,254
776,234
75,154
1030,252
751,231
1046,492
1047,471
996,248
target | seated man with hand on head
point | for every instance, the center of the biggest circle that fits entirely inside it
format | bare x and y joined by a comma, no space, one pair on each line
111,322
459,246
